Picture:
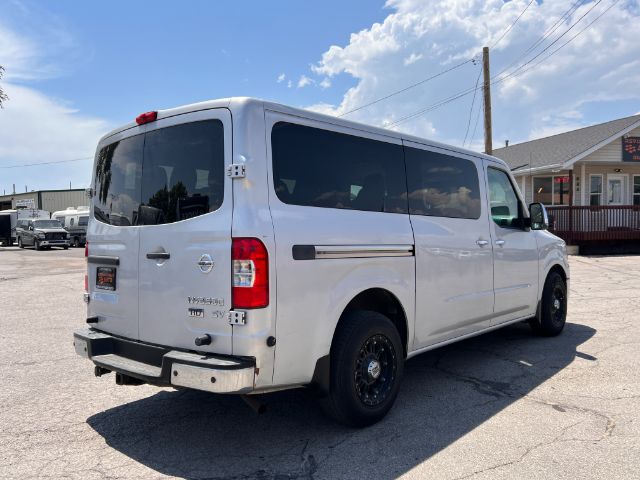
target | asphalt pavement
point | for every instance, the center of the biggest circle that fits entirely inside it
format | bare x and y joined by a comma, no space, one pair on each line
503,405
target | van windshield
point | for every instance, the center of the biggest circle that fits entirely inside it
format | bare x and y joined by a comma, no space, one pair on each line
163,176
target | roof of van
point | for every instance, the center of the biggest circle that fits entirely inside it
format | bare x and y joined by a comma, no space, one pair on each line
239,103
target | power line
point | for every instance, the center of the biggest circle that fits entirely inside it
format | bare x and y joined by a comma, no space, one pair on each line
397,92
517,72
48,163
512,25
549,31
552,43
473,135
570,39
473,101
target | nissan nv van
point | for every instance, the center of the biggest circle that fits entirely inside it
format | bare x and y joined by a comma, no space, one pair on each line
238,246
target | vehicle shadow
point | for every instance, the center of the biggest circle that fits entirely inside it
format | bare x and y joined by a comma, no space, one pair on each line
445,394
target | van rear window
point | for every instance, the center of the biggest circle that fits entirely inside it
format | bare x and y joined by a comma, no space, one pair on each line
163,176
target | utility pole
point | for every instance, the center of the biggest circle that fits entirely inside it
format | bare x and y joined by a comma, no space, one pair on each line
488,147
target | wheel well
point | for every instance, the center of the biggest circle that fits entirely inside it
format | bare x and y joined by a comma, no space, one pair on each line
381,301
374,299
557,268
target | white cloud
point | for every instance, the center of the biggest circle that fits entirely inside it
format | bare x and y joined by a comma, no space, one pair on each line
36,128
281,78
289,84
413,58
601,65
304,81
325,83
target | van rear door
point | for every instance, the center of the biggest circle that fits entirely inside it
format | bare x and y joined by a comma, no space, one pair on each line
185,234
114,240
160,248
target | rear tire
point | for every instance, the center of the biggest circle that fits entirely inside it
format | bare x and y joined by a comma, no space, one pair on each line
66,247
367,360
76,242
553,307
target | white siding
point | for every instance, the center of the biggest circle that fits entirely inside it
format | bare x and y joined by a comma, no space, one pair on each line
54,201
611,152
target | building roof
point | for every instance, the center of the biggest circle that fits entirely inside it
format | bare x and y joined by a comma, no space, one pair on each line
564,147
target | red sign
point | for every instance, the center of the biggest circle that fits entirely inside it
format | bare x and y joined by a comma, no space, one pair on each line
631,149
561,179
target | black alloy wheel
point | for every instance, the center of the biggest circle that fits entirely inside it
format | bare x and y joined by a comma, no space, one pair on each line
375,370
367,361
553,307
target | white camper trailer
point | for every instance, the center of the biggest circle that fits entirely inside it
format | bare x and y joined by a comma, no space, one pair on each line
74,220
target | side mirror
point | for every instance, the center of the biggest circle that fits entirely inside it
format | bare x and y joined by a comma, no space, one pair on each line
539,217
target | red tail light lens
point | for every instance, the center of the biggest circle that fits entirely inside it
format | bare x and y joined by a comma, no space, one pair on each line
250,273
146,117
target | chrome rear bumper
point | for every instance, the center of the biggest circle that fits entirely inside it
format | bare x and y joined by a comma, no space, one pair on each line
163,366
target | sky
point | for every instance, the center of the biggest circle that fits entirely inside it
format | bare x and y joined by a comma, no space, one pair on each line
75,70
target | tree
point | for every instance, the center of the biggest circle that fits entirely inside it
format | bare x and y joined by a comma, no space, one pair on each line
3,96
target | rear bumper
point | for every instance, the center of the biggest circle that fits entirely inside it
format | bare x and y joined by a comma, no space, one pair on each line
163,366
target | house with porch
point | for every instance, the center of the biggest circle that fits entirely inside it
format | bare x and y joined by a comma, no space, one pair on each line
589,179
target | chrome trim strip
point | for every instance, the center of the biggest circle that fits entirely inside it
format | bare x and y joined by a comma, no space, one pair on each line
362,251
103,260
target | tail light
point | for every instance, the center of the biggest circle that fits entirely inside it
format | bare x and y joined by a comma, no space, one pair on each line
250,277
146,117
86,275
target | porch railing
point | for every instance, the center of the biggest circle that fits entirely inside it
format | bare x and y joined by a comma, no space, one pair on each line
595,223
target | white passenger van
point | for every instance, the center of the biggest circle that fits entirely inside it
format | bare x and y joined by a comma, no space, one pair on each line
240,246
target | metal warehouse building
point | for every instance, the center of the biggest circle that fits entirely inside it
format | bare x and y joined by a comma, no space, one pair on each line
50,200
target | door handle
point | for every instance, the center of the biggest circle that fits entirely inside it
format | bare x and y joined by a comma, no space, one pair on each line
158,255
482,243
500,242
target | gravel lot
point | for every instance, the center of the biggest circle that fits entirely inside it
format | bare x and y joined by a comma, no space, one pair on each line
503,405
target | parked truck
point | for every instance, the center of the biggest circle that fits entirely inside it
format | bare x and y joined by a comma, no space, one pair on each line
8,228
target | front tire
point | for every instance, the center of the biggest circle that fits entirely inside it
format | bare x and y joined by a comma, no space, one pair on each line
553,307
20,245
36,243
367,361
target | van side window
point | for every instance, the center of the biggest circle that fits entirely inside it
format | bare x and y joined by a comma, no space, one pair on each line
83,221
71,222
320,168
442,185
505,207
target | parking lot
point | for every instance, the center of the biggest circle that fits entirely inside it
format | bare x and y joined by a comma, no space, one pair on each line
503,405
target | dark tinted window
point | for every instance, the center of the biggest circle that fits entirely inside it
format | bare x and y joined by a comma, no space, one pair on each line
83,221
47,224
442,185
166,175
117,181
320,168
